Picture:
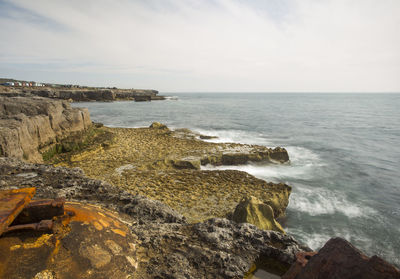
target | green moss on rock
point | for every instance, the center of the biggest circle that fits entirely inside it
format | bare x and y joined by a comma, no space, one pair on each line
254,211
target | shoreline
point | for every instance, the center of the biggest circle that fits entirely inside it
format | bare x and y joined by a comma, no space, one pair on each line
164,165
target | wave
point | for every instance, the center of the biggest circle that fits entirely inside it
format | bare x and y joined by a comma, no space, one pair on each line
318,201
313,240
304,164
316,240
235,136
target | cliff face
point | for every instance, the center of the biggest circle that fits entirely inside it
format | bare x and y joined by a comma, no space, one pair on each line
84,94
27,124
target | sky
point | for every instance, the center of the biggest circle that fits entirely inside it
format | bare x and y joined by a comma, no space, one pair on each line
205,45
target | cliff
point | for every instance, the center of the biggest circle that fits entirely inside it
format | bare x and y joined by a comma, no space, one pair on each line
82,94
28,124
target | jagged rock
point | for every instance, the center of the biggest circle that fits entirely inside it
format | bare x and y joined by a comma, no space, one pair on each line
207,137
186,163
27,124
167,246
158,125
240,154
339,259
279,154
252,210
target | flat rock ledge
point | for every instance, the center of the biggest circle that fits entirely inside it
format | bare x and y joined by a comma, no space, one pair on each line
168,247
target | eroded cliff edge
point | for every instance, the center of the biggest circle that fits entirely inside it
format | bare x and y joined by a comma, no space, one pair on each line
28,124
83,94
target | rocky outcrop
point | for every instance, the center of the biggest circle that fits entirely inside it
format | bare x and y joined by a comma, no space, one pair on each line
158,125
158,163
167,246
254,211
339,259
83,94
28,124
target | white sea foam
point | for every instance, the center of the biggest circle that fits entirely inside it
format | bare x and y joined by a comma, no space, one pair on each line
235,136
303,165
316,240
313,240
318,201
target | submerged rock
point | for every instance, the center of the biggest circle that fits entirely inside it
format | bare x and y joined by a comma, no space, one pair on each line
254,211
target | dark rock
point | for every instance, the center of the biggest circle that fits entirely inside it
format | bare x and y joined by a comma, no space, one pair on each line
339,259
207,137
168,247
279,154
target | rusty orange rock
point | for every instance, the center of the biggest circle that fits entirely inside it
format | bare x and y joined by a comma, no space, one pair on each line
12,202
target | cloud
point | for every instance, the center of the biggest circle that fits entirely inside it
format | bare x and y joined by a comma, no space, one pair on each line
209,45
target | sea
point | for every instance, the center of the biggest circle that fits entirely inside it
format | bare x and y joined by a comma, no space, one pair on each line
344,151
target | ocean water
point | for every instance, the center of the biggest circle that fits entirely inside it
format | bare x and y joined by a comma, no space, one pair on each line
344,151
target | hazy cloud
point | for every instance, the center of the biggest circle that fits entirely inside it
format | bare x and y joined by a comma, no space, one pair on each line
211,45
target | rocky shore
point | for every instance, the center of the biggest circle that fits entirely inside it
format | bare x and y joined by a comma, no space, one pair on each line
166,165
167,246
170,217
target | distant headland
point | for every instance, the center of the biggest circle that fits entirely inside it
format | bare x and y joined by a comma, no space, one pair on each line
75,93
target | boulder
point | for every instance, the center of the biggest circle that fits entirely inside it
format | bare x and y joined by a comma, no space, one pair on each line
279,154
252,210
340,259
158,125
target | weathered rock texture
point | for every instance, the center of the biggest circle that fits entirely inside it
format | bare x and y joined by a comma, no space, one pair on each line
166,165
339,259
252,210
83,94
89,242
167,246
28,124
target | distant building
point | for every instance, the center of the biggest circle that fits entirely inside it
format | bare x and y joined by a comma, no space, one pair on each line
17,83
9,83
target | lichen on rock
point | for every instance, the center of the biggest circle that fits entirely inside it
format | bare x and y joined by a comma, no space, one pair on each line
254,211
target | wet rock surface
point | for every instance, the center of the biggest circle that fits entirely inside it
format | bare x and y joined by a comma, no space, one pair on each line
166,245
